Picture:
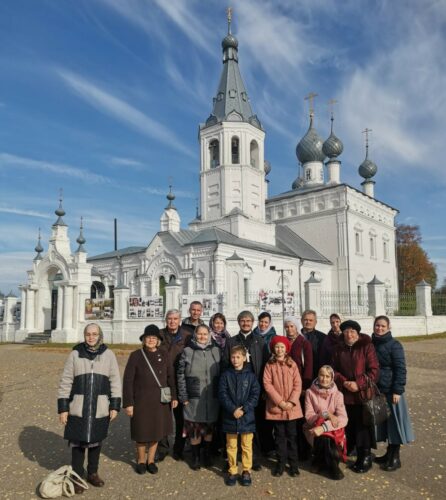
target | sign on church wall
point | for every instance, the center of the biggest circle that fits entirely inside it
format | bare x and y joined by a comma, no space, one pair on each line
99,308
271,302
146,307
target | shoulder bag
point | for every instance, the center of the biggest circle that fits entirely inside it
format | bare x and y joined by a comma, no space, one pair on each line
375,409
166,396
61,483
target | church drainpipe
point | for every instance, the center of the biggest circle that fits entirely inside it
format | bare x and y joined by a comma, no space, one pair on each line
301,263
348,255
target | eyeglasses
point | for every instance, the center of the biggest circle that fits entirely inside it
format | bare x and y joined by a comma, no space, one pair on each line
92,334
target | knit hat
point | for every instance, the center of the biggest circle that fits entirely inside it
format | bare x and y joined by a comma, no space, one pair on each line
351,324
151,331
280,339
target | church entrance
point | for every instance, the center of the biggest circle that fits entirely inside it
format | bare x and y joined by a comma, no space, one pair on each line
54,293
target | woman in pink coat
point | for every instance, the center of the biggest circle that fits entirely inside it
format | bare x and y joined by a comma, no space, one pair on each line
326,418
283,386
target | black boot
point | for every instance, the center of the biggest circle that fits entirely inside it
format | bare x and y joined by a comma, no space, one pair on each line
383,459
336,473
208,453
393,462
195,465
279,469
363,462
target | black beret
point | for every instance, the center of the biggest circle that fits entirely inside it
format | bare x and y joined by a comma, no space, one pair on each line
351,324
151,331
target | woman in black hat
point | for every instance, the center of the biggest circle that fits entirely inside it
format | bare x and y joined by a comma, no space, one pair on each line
355,361
146,372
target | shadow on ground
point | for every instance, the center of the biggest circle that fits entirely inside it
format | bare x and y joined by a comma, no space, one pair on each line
46,448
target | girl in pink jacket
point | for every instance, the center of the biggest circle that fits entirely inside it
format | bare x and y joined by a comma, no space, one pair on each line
326,418
283,386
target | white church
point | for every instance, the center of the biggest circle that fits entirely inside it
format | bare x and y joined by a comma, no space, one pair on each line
323,244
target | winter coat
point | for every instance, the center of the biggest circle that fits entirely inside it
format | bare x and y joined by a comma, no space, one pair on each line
258,354
392,364
152,420
174,344
267,337
302,354
282,382
316,339
328,346
238,388
89,388
188,326
355,363
197,378
316,403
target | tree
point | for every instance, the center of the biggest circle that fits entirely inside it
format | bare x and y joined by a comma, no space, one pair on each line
413,262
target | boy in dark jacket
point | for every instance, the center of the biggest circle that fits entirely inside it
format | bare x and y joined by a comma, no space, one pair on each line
239,393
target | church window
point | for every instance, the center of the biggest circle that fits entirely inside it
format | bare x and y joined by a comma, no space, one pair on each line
358,242
385,251
308,174
372,248
214,151
232,93
360,295
235,150
321,175
254,154
219,96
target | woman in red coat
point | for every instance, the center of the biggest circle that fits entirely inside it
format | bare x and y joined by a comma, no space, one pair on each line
355,360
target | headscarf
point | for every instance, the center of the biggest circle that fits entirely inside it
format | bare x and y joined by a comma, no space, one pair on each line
198,344
219,337
295,321
325,390
93,349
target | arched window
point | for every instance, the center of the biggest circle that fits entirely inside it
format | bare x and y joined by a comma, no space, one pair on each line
214,152
308,174
235,150
97,290
254,154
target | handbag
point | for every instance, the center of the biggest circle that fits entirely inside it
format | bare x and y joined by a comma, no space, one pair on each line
166,395
375,409
61,483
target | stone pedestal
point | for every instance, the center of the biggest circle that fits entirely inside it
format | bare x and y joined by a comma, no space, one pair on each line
173,292
120,314
9,323
424,299
313,294
376,292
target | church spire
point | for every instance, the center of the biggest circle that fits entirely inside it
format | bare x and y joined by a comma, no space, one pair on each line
38,248
60,212
231,102
80,239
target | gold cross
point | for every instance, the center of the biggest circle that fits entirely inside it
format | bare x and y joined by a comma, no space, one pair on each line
331,104
366,132
310,97
229,15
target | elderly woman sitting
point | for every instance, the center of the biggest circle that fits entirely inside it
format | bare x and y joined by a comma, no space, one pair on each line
326,418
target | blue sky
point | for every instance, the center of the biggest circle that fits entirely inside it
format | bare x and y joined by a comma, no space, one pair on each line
103,98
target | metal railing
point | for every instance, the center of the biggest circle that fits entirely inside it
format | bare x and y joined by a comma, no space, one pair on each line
343,303
438,303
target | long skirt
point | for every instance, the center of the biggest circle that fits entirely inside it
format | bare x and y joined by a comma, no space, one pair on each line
397,429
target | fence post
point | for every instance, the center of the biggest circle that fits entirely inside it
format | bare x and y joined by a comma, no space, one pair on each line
423,293
173,290
120,313
313,293
9,321
376,291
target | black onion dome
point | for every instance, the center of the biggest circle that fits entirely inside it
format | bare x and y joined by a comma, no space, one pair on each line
229,41
310,147
333,146
367,169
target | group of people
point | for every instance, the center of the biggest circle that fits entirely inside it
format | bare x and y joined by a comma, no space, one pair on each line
290,396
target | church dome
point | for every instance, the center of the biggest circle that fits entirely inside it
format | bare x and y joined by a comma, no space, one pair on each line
297,183
310,146
267,167
367,169
333,146
229,41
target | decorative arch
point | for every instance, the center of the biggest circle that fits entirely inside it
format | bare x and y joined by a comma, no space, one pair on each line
254,154
235,150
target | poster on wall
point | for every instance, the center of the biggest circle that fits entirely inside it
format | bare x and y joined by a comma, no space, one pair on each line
271,302
146,307
211,304
99,308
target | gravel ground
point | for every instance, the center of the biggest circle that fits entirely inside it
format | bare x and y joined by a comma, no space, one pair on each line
31,442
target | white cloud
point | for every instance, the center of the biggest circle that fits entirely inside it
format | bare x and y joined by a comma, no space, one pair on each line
122,111
127,162
20,211
63,169
163,192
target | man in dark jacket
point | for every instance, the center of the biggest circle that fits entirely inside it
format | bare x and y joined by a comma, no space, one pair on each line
175,339
194,319
315,337
256,358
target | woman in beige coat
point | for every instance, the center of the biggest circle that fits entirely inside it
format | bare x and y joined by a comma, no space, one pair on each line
283,386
